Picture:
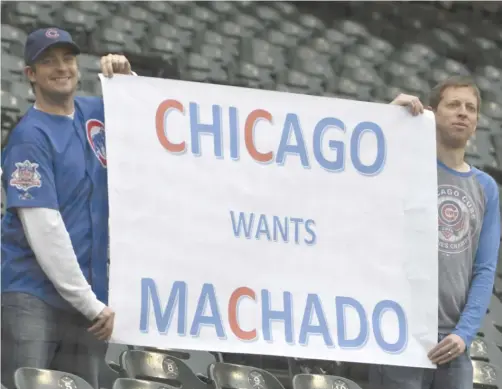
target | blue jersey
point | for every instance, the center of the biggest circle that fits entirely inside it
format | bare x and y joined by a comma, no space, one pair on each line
56,162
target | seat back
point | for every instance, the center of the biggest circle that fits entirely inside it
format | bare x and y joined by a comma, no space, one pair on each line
160,367
230,376
32,378
197,361
317,381
130,383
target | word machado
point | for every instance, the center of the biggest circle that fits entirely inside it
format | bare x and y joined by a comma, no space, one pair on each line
273,228
314,322
292,141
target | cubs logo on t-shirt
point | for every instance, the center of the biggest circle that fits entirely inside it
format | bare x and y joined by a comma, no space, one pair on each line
95,130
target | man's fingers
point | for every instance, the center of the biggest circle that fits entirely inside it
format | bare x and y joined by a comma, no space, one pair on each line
106,65
443,351
97,326
441,348
448,356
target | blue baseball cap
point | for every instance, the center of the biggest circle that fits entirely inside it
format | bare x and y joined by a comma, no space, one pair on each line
40,40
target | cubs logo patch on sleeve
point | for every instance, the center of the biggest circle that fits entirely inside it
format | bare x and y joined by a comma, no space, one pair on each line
95,130
26,176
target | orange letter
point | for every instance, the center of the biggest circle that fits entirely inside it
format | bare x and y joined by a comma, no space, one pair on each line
232,313
165,106
248,135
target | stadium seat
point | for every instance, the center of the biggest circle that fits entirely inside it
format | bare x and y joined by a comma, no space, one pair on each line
76,19
230,376
197,361
148,365
486,375
483,350
316,381
129,383
497,143
13,39
31,378
23,90
12,67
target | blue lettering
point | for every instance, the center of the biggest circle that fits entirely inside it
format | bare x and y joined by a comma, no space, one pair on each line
309,224
292,126
361,339
197,128
207,297
178,296
355,148
262,227
243,224
234,133
338,164
269,315
278,226
380,309
296,221
313,307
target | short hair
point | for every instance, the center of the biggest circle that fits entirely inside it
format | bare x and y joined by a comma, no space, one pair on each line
436,93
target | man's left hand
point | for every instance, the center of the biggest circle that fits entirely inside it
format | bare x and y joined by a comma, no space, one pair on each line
448,349
115,64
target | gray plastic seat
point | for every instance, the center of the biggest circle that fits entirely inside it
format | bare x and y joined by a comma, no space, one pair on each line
130,383
368,54
486,375
14,39
379,45
392,70
364,75
348,87
230,376
197,67
287,9
262,53
31,378
317,381
12,67
22,14
424,51
452,67
160,367
484,350
267,14
352,28
99,9
492,109
23,90
197,361
497,142
78,19
167,47
89,63
126,26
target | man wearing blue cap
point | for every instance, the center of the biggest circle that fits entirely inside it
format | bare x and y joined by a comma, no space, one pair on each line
55,230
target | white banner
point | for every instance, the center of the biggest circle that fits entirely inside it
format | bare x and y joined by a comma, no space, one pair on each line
261,222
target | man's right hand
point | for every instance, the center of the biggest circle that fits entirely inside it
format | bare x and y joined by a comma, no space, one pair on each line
102,326
413,103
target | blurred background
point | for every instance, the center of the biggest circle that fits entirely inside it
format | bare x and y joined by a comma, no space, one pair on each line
369,51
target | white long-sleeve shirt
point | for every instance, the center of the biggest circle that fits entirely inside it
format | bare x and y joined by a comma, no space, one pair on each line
47,235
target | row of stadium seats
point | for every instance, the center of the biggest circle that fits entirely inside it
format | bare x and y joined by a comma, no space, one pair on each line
273,46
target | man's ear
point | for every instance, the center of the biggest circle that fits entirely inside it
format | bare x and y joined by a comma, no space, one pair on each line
29,72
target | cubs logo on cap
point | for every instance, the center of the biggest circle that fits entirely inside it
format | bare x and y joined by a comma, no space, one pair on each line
52,33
